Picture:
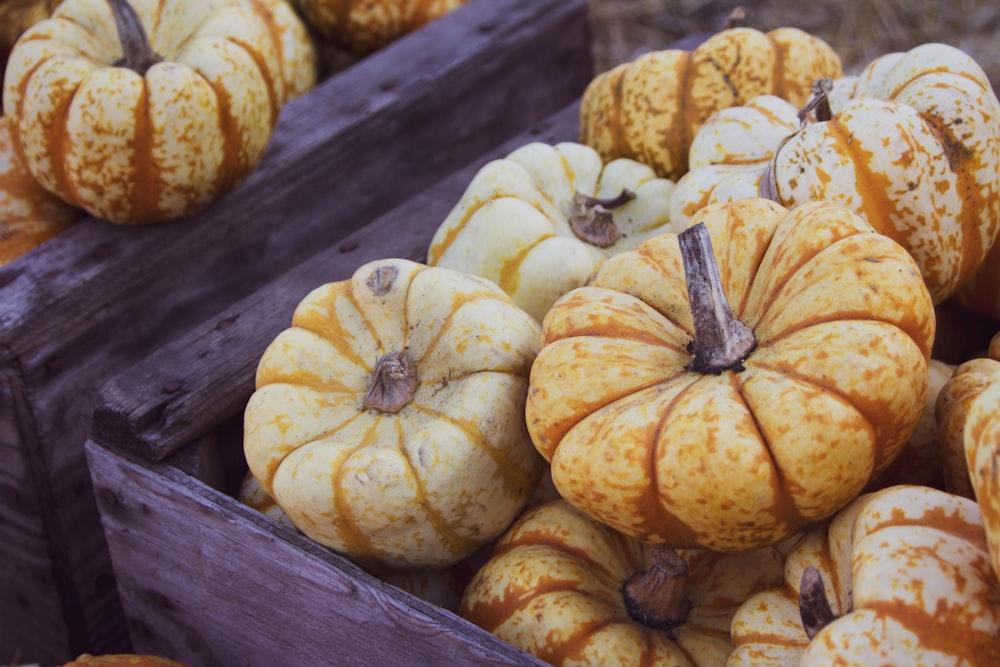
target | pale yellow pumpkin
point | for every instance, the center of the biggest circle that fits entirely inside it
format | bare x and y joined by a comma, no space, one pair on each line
29,214
571,591
164,132
388,420
650,108
643,434
906,574
539,221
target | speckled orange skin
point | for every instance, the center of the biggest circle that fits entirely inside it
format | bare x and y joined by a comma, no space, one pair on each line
122,660
649,109
363,26
908,576
553,587
982,455
834,388
424,486
951,411
141,148
29,214
916,152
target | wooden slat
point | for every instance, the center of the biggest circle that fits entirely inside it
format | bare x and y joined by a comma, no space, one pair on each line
99,297
211,583
193,383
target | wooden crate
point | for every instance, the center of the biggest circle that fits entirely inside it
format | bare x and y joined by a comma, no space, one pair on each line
209,581
98,298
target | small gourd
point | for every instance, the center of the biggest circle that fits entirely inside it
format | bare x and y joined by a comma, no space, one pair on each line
388,420
572,591
539,221
734,407
650,108
899,577
140,111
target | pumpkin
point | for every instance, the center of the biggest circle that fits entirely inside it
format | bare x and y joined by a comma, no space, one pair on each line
572,591
138,130
900,577
297,52
735,423
539,221
29,214
981,439
121,660
650,108
388,420
919,462
951,412
363,26
16,16
913,145
253,495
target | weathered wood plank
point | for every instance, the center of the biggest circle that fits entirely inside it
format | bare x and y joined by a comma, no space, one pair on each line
193,383
211,583
99,297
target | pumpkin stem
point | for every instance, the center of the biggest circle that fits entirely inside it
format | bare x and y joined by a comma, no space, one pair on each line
394,382
592,220
657,597
721,342
814,607
736,19
819,105
137,54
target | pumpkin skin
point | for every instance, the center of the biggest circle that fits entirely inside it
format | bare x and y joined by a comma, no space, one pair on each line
16,16
919,462
951,412
751,455
29,214
907,575
553,587
649,109
913,145
363,26
418,479
122,660
514,222
134,148
982,456
296,50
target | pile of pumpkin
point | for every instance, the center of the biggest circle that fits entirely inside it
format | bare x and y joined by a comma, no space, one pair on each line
138,112
670,394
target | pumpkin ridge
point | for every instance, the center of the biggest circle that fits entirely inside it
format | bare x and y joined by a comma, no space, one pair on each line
505,463
259,61
58,145
446,533
509,278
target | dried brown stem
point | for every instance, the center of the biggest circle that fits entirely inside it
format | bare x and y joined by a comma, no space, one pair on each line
657,597
394,382
137,53
593,221
721,342
814,606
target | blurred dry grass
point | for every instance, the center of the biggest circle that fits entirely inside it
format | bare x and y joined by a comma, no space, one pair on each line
859,32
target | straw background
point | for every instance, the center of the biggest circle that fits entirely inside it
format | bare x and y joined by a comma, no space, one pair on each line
859,32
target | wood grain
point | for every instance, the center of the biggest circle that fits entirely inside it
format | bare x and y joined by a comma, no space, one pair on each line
211,583
98,298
